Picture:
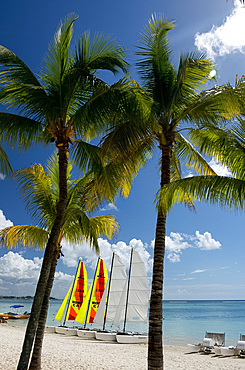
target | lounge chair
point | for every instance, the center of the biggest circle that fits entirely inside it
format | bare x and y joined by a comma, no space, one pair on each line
239,350
211,341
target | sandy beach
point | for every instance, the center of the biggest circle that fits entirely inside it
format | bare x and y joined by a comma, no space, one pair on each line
70,353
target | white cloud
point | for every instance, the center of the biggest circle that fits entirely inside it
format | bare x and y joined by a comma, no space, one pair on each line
189,278
19,275
198,271
227,38
72,253
173,257
3,221
109,207
219,169
206,242
2,176
176,243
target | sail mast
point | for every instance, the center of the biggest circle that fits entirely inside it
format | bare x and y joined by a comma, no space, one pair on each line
108,295
91,294
129,274
68,303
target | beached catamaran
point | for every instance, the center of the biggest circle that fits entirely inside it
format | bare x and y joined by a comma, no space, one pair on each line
79,303
88,310
111,299
75,297
134,302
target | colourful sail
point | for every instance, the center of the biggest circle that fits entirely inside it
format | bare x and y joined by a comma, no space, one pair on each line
82,312
61,310
78,292
75,295
99,284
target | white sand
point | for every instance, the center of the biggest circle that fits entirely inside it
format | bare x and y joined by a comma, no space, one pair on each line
71,353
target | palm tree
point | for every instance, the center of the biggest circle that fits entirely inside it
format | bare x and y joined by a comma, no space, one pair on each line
55,108
175,99
40,190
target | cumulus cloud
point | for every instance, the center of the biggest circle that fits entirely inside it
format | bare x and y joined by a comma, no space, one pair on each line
227,38
176,243
3,221
110,207
19,275
73,252
206,242
219,169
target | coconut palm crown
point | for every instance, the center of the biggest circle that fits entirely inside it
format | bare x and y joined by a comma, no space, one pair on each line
40,190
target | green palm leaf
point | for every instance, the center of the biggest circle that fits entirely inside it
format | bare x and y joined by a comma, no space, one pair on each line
25,236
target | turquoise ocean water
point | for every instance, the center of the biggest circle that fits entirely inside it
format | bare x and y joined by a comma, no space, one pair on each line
184,321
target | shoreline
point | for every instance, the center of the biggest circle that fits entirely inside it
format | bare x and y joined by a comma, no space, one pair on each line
75,353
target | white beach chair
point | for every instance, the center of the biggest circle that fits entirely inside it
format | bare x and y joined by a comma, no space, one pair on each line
239,350
211,341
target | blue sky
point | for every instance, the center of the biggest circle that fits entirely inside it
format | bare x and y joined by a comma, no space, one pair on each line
204,257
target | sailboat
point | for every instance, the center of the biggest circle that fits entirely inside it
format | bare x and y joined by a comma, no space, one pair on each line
134,302
73,300
88,310
111,299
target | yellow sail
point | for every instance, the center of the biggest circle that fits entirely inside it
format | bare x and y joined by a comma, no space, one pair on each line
99,284
78,293
61,310
82,312
75,295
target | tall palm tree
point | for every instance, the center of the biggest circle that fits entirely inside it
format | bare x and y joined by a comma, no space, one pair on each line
55,108
176,102
40,190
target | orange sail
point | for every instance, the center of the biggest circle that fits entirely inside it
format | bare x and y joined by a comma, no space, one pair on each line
75,295
78,292
99,284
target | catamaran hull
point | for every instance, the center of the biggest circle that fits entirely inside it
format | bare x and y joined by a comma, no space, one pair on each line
65,331
134,339
86,334
50,329
106,336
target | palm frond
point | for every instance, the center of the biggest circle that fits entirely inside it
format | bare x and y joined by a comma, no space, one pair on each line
58,60
5,166
19,130
193,159
226,192
36,189
211,106
225,144
25,236
103,53
154,51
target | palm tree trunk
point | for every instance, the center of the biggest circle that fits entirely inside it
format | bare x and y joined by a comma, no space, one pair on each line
155,343
49,255
37,349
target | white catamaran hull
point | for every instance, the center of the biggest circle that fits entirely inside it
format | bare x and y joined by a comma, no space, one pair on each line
134,338
65,331
50,329
100,335
86,334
